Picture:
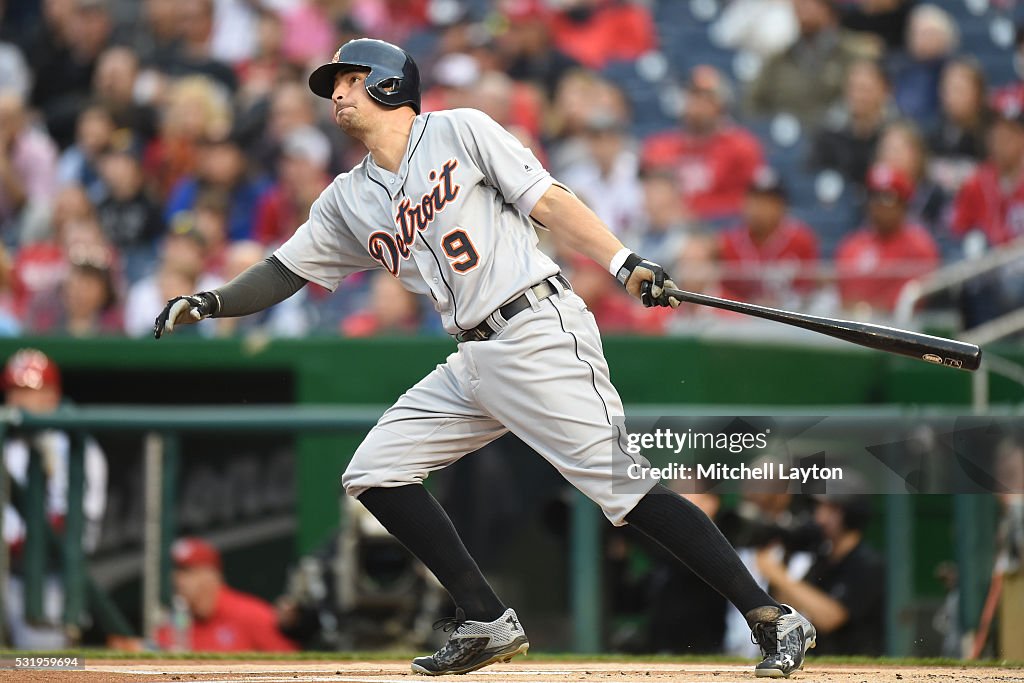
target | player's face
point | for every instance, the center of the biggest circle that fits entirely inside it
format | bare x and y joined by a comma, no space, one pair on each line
354,109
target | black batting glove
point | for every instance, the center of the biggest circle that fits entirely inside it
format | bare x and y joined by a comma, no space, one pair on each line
185,310
647,281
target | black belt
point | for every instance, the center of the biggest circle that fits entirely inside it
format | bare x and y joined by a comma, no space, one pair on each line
542,290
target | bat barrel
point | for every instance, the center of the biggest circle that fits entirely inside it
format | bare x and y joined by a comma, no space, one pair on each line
936,350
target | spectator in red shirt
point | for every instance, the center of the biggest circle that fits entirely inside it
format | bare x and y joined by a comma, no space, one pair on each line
767,256
596,32
222,619
876,261
713,158
992,200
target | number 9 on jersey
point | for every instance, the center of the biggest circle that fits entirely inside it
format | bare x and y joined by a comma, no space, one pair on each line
460,251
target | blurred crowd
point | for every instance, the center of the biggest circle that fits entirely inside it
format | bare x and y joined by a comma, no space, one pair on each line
811,154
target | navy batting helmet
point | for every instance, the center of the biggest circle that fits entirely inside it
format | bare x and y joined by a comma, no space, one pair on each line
394,78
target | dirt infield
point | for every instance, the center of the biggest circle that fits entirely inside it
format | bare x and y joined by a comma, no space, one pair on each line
545,671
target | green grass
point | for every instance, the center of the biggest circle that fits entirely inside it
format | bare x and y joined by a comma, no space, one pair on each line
385,655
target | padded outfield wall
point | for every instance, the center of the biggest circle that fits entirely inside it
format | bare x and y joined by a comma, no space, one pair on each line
670,373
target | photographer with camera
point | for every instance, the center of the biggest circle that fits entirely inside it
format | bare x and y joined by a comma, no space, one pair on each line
844,589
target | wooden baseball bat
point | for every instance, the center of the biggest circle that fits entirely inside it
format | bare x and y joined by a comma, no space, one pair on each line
937,350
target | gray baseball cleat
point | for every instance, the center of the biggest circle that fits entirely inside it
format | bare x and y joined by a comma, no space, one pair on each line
784,640
474,644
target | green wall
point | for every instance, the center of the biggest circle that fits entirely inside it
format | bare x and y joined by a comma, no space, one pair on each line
662,371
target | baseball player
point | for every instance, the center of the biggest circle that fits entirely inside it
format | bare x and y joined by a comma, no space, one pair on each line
448,202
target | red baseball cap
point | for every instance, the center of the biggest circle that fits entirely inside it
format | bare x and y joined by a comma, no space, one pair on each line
888,180
31,369
1009,105
190,552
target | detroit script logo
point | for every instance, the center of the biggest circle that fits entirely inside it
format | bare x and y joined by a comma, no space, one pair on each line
390,249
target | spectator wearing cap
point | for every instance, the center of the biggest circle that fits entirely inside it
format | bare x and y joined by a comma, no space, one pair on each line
131,218
844,590
181,269
713,158
992,200
32,383
767,257
957,141
876,261
221,618
932,38
28,173
597,32
221,166
301,177
525,48
808,77
607,179
63,73
846,140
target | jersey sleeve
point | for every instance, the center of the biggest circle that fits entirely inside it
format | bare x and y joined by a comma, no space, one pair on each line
323,250
506,164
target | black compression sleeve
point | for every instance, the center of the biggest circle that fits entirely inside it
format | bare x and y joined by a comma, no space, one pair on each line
261,286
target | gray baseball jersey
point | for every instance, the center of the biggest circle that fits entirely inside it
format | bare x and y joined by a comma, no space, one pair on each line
451,223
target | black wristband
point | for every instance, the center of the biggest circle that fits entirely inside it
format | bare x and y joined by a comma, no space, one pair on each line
211,303
628,266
